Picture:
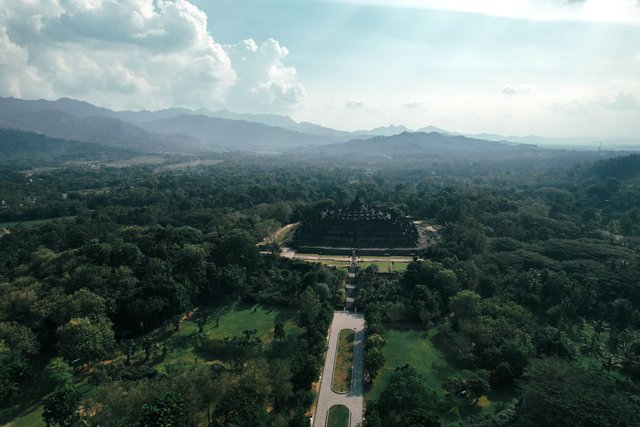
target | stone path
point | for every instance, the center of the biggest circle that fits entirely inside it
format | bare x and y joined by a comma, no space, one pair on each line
354,399
351,284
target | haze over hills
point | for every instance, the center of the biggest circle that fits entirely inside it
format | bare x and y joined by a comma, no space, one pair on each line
170,129
224,133
433,145
184,130
26,145
444,150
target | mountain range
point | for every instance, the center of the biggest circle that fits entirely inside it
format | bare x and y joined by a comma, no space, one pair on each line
203,130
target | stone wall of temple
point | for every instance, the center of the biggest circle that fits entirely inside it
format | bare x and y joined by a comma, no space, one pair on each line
357,226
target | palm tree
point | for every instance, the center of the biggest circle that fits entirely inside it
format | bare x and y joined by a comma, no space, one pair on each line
609,360
630,352
591,348
599,326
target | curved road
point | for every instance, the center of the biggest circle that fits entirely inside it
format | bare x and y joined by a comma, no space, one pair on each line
354,399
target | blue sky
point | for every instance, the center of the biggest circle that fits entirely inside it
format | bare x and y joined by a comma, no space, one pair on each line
545,67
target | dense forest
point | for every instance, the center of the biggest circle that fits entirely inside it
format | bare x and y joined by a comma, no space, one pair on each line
533,290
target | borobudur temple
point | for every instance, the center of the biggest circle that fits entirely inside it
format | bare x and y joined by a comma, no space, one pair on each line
357,226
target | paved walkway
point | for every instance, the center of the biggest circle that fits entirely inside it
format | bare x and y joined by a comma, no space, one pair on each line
354,399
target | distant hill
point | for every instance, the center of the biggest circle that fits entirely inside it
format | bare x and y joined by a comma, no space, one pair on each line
19,145
165,130
433,146
233,134
384,131
35,117
63,105
96,129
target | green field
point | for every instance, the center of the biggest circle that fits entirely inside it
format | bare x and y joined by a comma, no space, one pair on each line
33,222
415,347
412,346
232,321
344,362
338,416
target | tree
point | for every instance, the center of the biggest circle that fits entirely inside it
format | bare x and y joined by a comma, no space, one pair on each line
129,348
147,346
310,308
168,410
280,381
465,305
609,360
629,352
557,392
405,392
373,361
466,386
17,344
56,374
278,331
86,339
550,341
202,321
502,376
61,407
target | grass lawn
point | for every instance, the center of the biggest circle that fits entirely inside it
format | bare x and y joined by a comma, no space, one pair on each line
344,362
232,321
27,410
412,346
32,223
338,416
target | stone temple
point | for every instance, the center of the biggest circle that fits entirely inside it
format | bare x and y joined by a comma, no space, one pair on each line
357,227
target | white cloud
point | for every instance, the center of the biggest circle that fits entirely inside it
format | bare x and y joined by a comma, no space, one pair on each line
619,102
413,104
621,11
518,90
263,76
354,103
135,53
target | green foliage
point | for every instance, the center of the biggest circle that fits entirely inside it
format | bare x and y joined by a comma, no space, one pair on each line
466,386
85,339
57,374
61,407
405,398
166,411
556,392
522,258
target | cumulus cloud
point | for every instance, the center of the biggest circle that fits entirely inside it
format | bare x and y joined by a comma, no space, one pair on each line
518,90
134,53
263,78
353,103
